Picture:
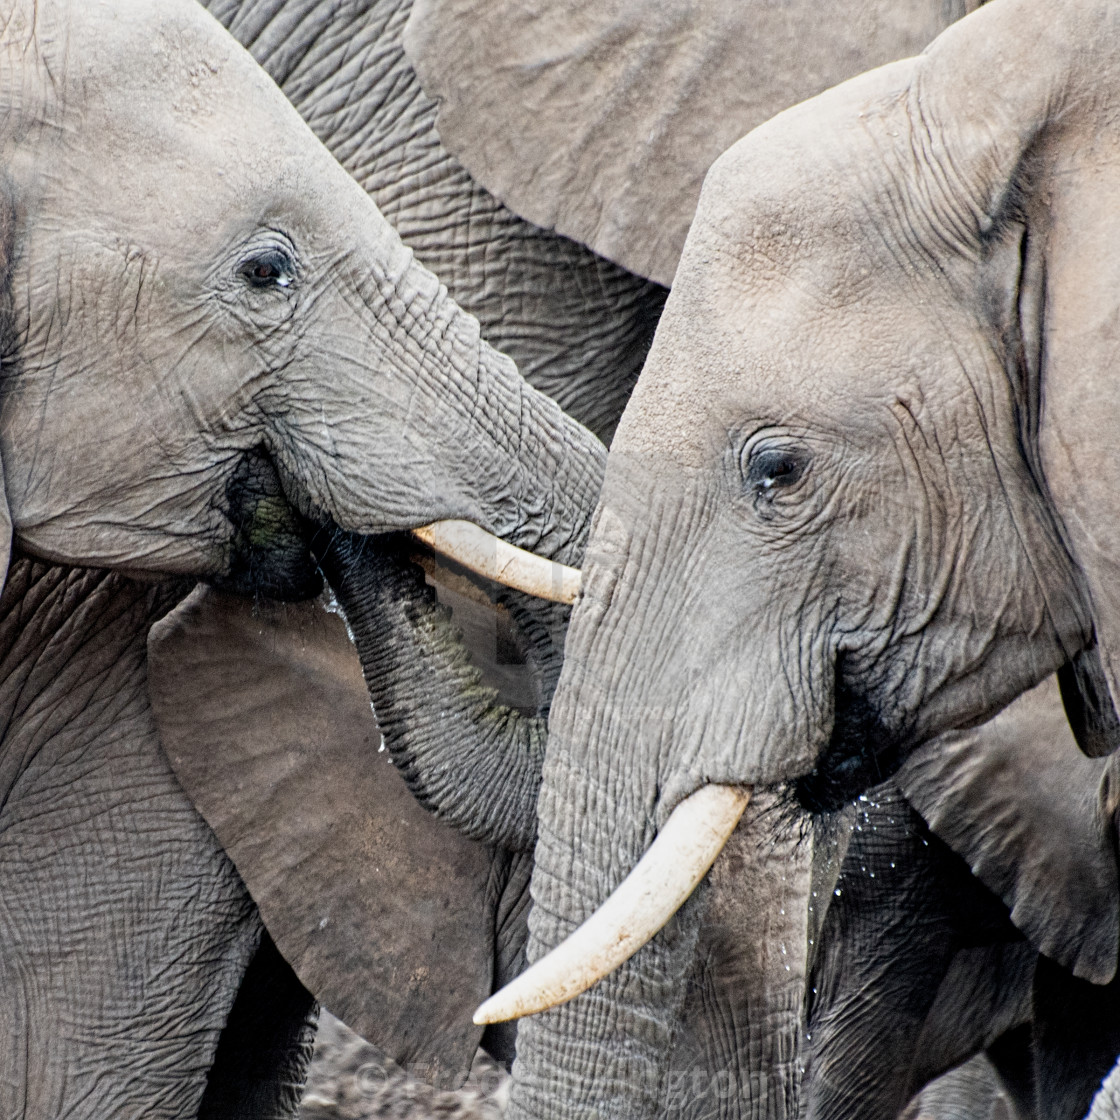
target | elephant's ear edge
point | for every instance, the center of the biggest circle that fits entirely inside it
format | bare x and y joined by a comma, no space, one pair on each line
1023,807
384,913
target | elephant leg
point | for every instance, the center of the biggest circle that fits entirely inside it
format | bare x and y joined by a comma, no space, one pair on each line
265,1048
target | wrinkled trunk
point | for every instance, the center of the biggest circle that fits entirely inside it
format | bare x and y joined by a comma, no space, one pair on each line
471,760
460,435
604,1054
423,421
737,1054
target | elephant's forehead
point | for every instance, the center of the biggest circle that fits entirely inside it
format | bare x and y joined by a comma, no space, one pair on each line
792,303
155,78
728,360
166,124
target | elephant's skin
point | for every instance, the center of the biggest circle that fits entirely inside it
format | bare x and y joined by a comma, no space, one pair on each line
127,933
245,340
970,1092
210,329
835,522
600,118
397,922
577,326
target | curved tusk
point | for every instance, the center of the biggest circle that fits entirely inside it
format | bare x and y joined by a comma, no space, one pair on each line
647,898
504,563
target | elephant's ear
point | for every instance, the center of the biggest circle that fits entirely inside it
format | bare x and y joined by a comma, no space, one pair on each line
1020,102
1028,812
599,118
386,915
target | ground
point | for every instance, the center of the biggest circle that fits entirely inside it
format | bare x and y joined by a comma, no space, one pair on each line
351,1080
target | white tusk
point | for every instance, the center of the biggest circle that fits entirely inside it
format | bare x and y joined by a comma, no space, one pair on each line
504,563
647,898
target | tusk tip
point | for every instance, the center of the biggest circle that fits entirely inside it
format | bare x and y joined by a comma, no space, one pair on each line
659,884
490,1012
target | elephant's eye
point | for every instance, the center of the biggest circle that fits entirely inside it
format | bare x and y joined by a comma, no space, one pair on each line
771,469
272,268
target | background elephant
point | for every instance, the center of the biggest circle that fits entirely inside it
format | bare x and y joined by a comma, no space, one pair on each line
195,361
835,522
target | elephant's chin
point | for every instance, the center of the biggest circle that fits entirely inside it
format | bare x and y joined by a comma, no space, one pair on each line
268,552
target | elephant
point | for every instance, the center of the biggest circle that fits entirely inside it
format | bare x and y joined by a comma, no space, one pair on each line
215,343
578,327
837,520
188,478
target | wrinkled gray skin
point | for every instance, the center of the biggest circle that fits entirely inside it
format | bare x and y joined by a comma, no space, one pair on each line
287,340
838,975
209,329
127,931
919,962
969,1092
835,521
577,326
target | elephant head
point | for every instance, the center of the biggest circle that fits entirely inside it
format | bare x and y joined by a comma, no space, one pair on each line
855,500
211,328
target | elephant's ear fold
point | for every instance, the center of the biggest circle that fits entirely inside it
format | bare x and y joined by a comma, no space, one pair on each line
1027,810
386,915
599,118
5,531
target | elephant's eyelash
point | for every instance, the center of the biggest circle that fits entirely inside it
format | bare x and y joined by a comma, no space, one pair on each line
272,268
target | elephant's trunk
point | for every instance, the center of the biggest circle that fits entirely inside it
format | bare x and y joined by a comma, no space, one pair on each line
628,765
605,1053
472,761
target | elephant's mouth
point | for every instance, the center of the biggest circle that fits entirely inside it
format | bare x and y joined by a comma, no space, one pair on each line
862,752
268,550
